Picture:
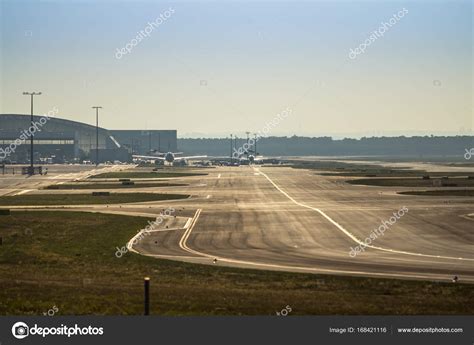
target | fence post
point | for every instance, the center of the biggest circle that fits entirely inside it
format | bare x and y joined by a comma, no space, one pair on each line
147,295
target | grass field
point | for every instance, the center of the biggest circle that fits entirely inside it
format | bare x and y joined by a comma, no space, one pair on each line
67,260
466,192
146,174
397,173
415,182
336,168
85,199
113,185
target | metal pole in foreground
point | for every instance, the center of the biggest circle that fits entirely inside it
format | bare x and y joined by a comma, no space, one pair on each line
147,295
31,172
96,134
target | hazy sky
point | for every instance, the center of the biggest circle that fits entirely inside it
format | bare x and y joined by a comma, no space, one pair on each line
215,68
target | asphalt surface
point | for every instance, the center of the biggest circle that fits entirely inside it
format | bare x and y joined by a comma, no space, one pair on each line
13,182
295,220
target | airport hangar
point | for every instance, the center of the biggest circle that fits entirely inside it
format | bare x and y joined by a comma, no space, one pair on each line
70,141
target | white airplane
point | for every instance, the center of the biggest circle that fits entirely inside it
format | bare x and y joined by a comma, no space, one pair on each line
250,157
168,157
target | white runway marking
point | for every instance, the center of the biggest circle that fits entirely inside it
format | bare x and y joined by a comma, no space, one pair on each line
187,233
24,191
58,177
170,256
182,242
160,230
188,223
354,238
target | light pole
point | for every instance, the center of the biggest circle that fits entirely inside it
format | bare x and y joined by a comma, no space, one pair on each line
231,156
248,147
255,145
235,148
96,134
31,94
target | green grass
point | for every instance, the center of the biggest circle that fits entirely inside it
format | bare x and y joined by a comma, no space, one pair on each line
85,199
146,174
112,185
466,192
67,259
414,182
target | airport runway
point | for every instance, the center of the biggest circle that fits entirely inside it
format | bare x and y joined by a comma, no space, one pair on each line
14,184
295,220
282,218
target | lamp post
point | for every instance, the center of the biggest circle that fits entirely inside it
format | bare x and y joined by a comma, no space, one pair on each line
248,147
96,134
235,148
255,145
31,94
231,156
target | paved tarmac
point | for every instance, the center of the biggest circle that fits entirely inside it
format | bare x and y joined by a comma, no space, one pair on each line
288,219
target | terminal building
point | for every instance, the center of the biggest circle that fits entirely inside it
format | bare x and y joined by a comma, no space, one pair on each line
61,140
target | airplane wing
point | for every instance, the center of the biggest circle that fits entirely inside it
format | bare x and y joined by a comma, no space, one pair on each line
188,157
149,157
219,157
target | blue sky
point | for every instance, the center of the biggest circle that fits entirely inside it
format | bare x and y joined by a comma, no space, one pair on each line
215,68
